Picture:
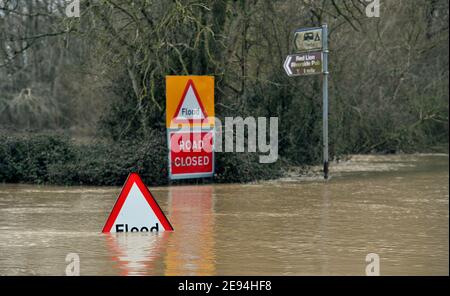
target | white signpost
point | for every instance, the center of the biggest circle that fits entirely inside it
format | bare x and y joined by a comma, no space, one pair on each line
311,58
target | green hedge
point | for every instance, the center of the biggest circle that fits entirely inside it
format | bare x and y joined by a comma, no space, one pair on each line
29,158
55,159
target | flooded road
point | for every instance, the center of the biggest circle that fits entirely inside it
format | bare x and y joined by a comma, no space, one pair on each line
394,206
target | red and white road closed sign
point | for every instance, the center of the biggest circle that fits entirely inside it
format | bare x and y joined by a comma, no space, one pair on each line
189,122
191,154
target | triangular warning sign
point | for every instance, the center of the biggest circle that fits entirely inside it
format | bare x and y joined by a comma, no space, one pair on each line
190,107
136,210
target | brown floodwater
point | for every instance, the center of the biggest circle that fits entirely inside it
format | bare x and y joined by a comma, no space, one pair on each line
395,206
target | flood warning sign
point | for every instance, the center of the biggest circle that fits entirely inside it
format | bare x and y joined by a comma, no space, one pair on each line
190,107
189,101
136,210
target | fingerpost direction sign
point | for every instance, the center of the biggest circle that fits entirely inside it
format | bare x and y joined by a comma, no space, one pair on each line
301,64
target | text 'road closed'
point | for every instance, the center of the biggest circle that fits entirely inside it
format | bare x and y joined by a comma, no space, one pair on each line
191,153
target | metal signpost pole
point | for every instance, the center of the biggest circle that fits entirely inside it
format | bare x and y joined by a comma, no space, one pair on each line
325,99
311,58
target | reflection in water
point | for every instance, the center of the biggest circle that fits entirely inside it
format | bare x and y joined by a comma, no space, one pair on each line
398,208
136,253
324,223
191,252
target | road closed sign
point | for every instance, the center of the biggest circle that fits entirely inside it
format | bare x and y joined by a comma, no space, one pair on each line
136,210
189,101
191,154
190,126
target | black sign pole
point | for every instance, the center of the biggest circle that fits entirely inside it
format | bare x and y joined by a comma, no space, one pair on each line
325,99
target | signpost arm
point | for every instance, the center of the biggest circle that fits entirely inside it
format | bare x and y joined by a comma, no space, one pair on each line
325,99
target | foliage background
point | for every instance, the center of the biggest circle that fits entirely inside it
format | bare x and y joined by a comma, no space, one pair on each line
82,99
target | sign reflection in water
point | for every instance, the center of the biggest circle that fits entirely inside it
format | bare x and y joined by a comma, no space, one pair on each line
191,250
137,253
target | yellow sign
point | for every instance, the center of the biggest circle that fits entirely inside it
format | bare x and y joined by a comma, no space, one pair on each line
189,101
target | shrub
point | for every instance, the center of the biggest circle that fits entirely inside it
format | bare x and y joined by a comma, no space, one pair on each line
27,158
56,159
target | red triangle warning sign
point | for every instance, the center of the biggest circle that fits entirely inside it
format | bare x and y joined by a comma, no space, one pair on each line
190,108
136,210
